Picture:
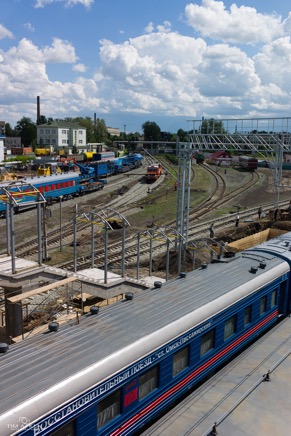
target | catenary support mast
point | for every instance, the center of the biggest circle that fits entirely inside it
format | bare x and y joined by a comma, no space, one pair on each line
269,138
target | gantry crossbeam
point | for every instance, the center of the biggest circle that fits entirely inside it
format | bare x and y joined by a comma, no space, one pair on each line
266,137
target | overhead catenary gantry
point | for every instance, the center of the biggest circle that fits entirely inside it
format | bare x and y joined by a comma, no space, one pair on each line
170,236
162,235
104,219
267,137
12,193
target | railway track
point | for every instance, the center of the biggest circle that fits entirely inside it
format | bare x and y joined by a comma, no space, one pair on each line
198,229
157,247
29,247
220,197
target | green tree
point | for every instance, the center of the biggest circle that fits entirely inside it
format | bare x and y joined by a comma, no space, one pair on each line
100,131
182,135
151,131
9,132
41,120
89,126
212,126
26,129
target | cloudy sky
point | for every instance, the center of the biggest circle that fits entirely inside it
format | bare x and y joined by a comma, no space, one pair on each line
132,61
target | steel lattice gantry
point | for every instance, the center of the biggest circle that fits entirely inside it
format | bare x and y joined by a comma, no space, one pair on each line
183,191
268,137
102,218
163,235
16,194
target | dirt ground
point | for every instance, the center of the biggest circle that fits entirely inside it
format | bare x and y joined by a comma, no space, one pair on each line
203,255
263,194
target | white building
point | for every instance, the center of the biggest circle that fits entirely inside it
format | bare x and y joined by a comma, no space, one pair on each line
2,138
62,135
114,131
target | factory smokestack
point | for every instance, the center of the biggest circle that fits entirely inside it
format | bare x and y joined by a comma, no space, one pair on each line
37,110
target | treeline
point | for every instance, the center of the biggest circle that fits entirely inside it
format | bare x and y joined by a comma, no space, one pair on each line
95,132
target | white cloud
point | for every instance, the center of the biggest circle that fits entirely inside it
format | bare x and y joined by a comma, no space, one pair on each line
43,3
68,3
241,25
174,73
60,51
165,27
287,24
150,27
86,3
273,63
25,52
29,27
5,33
226,71
160,72
23,76
80,68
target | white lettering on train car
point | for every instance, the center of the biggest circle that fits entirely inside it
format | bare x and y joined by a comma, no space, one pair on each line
86,399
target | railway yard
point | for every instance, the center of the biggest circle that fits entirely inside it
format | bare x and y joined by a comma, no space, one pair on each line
134,251
217,194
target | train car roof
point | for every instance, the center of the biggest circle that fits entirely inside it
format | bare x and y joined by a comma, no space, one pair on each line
40,362
279,246
54,178
51,178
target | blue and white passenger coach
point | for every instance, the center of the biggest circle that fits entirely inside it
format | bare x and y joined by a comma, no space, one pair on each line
116,370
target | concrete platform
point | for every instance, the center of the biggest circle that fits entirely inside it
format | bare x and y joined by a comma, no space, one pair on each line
20,264
97,275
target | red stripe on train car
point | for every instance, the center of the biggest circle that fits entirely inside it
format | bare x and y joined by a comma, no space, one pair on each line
177,387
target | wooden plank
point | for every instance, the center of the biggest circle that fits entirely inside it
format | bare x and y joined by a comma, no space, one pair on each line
37,291
255,239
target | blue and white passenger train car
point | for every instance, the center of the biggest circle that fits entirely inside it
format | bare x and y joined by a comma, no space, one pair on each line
51,187
115,371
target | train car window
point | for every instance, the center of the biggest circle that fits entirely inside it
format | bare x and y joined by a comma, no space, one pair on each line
180,361
66,430
263,305
247,315
229,327
148,382
109,408
274,298
207,342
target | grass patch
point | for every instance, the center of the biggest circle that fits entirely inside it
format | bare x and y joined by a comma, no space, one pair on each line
159,210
